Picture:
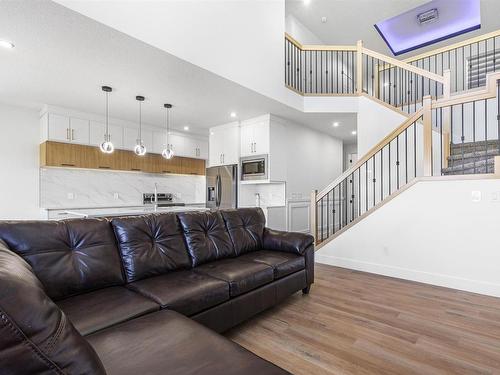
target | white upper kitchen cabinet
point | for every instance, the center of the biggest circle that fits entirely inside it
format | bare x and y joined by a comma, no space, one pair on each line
224,145
61,128
131,135
97,130
195,148
255,135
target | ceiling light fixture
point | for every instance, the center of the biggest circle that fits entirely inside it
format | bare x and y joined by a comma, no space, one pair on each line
354,132
106,146
186,128
6,44
306,2
167,152
139,148
233,114
335,124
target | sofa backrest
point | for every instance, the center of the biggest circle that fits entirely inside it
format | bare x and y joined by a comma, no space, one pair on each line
68,256
35,336
245,227
206,236
150,245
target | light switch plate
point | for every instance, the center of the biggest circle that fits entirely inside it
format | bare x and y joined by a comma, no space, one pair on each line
476,196
70,196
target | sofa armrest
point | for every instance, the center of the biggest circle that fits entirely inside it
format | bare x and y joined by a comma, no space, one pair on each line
290,242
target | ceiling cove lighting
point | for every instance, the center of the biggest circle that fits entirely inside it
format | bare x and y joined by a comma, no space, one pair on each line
106,146
139,148
167,152
6,44
429,23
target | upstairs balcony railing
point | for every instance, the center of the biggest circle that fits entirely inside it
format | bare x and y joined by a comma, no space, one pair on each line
356,70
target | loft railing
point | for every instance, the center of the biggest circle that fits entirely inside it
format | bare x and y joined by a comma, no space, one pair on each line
356,70
469,61
422,146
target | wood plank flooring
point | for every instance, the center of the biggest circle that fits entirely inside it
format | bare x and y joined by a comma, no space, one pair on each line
359,323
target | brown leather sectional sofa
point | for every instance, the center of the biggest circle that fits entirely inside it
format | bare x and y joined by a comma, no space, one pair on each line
127,295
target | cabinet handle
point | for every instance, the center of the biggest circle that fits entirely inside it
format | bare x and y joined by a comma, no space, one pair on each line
67,134
135,169
166,171
103,167
67,165
72,134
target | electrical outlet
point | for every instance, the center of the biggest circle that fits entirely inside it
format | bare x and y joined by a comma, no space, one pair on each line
495,196
71,196
116,196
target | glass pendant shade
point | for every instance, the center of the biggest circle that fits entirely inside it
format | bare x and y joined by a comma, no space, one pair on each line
140,149
167,153
106,146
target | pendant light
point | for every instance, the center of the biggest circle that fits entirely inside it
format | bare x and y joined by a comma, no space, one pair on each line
167,152
106,146
139,148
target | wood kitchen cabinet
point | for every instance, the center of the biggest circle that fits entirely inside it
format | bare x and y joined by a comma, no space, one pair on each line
59,154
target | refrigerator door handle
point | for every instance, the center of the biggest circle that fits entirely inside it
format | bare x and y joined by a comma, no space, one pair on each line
219,191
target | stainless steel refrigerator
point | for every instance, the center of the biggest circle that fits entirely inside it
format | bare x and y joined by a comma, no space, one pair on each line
222,187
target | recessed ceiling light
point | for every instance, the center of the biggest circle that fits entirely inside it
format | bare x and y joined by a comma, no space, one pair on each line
354,132
186,128
306,2
233,114
335,124
6,44
212,133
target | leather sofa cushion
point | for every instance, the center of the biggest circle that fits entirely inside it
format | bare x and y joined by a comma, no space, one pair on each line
91,312
242,276
69,256
206,236
35,335
186,292
245,227
151,245
167,342
283,263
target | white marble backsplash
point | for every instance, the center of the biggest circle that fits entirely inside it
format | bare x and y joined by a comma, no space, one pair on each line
62,188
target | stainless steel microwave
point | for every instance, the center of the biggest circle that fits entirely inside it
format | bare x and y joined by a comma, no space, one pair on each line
254,168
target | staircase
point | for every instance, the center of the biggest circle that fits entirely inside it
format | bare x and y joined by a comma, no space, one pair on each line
452,127
472,158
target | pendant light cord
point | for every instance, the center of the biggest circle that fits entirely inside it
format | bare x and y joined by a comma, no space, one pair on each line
167,120
140,122
107,117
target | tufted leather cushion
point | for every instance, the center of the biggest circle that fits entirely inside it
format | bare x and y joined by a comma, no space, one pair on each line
242,276
245,227
186,292
282,263
206,236
69,256
99,309
150,245
35,336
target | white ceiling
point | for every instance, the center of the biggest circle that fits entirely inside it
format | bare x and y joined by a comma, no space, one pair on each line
62,58
351,20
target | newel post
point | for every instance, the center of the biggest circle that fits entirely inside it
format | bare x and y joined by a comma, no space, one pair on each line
427,133
313,214
359,67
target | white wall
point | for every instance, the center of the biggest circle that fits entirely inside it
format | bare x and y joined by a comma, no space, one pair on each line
375,121
432,233
300,32
19,160
241,40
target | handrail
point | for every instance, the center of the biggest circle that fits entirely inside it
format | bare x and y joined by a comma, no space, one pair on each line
451,47
318,47
403,65
490,91
375,149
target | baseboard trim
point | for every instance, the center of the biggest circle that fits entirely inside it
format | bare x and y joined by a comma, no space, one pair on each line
474,286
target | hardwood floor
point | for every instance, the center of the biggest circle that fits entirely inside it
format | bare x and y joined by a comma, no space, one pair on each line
360,323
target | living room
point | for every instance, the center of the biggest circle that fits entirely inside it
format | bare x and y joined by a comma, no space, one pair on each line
186,193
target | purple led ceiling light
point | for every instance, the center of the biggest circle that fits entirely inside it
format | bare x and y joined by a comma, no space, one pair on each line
404,33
